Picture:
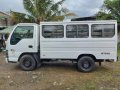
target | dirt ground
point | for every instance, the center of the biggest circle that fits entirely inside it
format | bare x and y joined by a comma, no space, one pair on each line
59,76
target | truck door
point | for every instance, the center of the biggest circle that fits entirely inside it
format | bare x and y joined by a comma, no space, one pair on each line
22,40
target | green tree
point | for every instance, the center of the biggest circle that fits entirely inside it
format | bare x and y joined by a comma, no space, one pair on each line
42,10
110,10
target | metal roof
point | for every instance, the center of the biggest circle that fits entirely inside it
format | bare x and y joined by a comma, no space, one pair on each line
4,15
7,30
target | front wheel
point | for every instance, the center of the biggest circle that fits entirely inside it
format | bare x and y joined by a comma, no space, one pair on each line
86,64
27,63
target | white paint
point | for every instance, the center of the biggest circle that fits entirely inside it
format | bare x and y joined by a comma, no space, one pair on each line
66,48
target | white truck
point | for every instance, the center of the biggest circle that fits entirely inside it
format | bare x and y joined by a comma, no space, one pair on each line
84,42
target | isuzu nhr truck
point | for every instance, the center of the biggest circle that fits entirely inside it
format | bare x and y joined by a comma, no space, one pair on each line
84,42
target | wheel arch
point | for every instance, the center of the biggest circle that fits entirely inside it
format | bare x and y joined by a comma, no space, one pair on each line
35,56
26,53
90,55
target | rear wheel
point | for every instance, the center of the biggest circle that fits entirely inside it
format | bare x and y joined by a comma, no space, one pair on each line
27,63
86,64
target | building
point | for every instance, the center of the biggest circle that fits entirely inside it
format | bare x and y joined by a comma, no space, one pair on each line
84,18
5,20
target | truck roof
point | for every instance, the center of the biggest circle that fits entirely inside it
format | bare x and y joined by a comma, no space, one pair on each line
27,24
95,21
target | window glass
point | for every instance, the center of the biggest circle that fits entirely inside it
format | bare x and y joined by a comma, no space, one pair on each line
83,31
21,32
77,31
71,31
53,31
103,30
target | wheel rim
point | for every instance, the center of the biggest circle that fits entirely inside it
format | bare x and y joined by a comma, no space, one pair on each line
86,64
27,63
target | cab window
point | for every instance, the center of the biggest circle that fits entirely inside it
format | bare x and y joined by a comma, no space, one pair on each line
21,32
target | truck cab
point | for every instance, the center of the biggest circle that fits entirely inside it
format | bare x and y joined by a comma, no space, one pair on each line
22,40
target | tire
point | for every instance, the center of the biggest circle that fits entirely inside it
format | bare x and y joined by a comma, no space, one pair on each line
86,64
27,63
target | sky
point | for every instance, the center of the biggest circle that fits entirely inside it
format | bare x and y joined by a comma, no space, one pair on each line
82,8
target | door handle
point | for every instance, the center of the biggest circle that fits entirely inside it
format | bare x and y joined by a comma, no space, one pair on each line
30,46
